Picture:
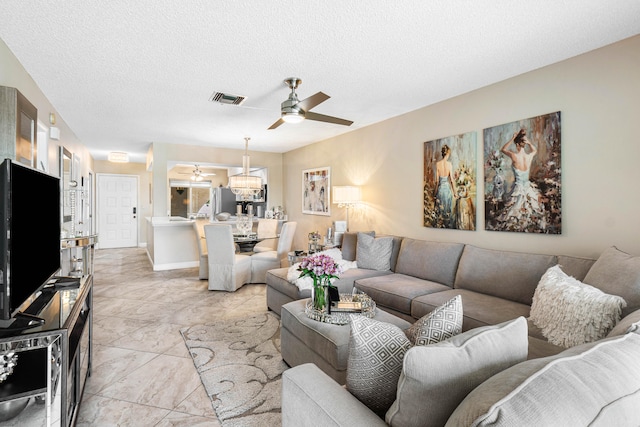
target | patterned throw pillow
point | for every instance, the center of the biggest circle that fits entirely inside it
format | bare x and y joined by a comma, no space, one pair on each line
377,349
442,323
374,253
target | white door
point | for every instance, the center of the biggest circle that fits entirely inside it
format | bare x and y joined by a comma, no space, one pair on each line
117,211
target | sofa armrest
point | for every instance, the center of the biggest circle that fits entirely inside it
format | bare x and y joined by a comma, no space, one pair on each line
311,398
629,323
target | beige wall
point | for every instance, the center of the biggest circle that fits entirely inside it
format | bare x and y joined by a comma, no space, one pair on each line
161,153
13,74
598,94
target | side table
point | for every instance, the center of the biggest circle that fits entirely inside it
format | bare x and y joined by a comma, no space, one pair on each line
296,256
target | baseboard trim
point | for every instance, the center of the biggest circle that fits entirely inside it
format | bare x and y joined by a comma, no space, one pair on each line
175,265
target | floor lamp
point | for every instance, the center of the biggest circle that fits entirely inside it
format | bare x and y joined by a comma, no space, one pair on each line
346,196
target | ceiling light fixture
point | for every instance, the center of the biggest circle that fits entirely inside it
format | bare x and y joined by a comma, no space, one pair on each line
245,185
118,157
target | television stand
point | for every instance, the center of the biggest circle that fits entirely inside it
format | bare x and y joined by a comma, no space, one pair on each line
53,357
20,322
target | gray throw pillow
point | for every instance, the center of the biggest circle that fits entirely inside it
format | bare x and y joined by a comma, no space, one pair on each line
617,273
374,253
598,386
442,323
436,378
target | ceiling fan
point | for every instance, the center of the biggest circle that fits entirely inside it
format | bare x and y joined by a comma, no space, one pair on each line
294,111
197,174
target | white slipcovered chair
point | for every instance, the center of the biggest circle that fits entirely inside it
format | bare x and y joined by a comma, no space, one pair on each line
198,226
262,262
267,229
228,271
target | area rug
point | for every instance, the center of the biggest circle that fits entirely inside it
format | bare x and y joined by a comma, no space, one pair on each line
240,366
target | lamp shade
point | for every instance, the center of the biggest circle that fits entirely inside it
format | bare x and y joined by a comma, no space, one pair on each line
346,195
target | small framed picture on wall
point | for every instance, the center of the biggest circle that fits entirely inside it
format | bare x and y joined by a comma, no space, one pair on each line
316,185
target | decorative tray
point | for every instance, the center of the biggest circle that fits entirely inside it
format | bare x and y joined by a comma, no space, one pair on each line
360,304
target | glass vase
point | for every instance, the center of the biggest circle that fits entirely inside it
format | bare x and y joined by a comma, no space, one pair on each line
319,295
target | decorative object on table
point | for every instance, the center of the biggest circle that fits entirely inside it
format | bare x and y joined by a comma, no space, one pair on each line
223,216
315,191
245,185
523,176
314,242
450,180
240,367
321,268
360,304
244,224
8,361
346,196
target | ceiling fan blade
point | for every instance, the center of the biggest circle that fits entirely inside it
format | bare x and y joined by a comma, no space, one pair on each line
276,124
312,101
329,119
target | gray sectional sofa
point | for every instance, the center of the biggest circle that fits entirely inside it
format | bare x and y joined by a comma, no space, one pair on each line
496,287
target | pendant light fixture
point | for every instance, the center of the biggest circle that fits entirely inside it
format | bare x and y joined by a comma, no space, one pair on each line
245,185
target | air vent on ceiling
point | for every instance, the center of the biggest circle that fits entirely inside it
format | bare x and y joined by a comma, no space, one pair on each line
227,98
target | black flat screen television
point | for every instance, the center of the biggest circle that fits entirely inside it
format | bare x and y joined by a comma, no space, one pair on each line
30,227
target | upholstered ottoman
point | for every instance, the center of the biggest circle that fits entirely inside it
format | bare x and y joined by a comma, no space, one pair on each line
308,341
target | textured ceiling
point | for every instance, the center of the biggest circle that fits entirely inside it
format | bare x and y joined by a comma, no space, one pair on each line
124,73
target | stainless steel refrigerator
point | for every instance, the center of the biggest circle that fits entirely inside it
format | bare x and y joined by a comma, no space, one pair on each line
223,200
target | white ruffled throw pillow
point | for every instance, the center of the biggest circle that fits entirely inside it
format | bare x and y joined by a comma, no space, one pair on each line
569,312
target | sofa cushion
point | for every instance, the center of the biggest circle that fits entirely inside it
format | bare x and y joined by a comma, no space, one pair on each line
396,291
617,273
374,252
350,244
569,312
436,378
434,261
442,323
479,309
277,279
562,390
575,266
630,323
509,275
540,347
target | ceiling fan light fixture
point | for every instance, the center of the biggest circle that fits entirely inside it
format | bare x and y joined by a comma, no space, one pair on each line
292,117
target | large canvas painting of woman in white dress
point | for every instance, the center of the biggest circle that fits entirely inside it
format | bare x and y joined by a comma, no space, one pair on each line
522,176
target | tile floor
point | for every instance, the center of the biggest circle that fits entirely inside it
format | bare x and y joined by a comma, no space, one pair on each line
142,373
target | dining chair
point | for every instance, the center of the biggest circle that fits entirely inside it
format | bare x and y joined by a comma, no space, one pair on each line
262,262
198,227
268,230
228,271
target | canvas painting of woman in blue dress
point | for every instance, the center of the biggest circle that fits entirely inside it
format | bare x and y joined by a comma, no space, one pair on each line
450,182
